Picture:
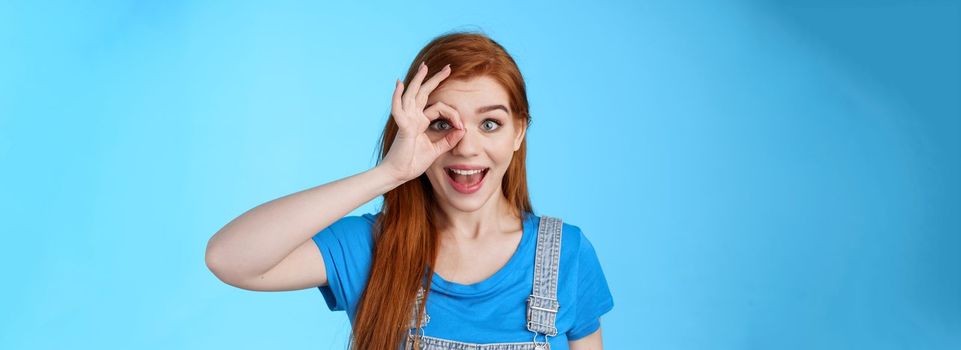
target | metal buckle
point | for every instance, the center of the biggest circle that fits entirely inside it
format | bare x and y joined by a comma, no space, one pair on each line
546,345
551,301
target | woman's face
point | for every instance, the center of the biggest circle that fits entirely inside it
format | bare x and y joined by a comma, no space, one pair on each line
490,139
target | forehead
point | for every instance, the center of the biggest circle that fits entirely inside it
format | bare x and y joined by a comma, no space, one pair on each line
477,91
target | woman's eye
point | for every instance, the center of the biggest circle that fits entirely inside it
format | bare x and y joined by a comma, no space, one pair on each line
443,125
491,124
440,122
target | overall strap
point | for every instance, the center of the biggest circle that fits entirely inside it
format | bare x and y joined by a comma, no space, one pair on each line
413,317
542,305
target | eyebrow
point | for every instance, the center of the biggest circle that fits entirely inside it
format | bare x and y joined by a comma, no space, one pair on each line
485,108
492,108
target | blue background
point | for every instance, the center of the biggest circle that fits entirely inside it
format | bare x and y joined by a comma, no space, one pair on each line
753,175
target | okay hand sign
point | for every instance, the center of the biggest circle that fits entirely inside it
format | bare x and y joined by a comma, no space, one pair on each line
412,150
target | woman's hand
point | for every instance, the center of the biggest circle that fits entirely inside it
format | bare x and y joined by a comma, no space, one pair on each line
412,150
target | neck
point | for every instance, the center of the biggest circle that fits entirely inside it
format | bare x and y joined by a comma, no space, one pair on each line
494,217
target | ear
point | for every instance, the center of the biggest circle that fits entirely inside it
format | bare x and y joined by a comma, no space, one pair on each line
520,129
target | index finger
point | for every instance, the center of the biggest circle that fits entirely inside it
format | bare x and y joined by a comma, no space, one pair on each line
438,109
431,84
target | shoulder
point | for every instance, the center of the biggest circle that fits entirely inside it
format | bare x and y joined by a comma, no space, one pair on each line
351,228
581,271
579,246
362,222
574,242
366,220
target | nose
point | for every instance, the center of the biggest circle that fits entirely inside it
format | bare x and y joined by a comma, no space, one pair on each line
469,144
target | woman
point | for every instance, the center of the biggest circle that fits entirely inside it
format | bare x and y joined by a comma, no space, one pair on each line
456,247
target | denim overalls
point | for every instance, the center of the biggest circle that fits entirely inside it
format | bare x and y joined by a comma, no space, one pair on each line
542,304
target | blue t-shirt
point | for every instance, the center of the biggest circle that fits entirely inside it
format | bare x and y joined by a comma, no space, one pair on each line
493,310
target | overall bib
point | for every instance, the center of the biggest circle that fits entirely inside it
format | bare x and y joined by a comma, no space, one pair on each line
542,304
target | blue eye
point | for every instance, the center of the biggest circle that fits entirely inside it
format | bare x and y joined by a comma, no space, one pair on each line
495,122
489,125
440,121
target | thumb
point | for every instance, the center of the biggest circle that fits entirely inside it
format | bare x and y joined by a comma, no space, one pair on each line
449,141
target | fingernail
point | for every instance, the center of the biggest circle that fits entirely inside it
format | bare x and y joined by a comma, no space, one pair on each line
447,66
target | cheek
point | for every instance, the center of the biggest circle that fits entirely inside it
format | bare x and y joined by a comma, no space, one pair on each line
434,168
503,151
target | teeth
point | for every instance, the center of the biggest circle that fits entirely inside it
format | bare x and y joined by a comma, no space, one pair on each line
466,172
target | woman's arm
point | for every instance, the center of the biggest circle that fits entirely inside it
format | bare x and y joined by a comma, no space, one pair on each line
268,248
591,342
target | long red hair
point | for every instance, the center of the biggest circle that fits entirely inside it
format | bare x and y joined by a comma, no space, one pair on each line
405,247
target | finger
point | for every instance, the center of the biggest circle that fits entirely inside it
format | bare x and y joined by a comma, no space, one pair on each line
439,109
396,108
448,141
414,86
396,105
430,85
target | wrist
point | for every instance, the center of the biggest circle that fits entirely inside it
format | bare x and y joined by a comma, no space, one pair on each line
391,179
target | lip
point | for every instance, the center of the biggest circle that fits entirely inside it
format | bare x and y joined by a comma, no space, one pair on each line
465,167
459,187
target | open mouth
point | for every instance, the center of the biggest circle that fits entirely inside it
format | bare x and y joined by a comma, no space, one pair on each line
466,181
